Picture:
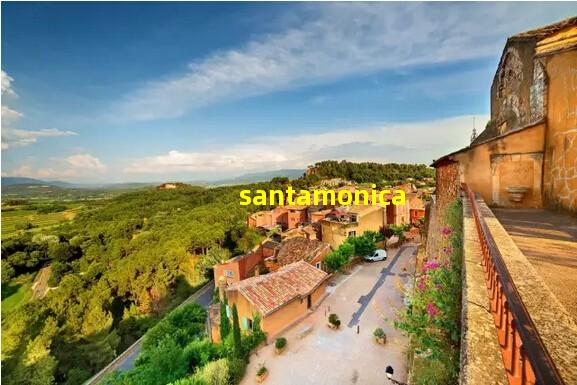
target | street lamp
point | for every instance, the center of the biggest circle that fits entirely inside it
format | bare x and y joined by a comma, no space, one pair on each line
389,371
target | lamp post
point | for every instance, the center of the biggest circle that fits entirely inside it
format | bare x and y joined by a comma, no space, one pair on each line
389,372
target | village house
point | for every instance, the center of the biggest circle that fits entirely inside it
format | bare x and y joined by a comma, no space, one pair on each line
247,265
287,217
298,249
351,221
280,299
270,256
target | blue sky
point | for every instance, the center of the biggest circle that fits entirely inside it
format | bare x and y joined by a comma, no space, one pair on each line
184,91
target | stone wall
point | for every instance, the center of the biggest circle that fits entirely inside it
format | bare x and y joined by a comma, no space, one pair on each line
446,192
560,161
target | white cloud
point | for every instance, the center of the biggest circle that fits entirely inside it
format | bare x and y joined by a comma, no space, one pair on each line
16,137
393,142
78,166
7,84
9,115
340,39
86,162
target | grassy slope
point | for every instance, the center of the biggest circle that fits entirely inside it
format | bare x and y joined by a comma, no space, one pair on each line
16,292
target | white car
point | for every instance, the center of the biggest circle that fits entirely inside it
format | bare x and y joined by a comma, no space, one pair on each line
377,255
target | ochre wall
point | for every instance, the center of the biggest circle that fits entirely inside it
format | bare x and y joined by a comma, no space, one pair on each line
560,163
279,320
335,233
513,160
284,317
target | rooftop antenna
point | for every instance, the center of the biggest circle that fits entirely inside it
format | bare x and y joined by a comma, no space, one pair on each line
474,133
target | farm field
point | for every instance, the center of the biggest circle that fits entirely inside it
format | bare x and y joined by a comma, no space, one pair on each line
14,219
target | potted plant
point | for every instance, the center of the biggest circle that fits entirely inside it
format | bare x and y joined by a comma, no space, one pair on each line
261,374
280,345
334,321
380,336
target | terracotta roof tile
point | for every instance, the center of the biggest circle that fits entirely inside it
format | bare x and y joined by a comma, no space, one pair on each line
269,292
300,249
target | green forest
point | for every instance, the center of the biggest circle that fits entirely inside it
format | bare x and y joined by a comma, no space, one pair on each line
370,172
117,267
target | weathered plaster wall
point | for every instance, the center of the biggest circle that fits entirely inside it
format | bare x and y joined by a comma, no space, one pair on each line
511,89
514,160
560,161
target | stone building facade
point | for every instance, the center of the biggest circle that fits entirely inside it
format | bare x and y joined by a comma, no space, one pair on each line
527,155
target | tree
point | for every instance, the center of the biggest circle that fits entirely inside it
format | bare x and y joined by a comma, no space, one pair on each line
224,321
214,256
7,271
236,333
57,271
363,245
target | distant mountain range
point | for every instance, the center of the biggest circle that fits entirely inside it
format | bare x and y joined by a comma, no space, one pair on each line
259,177
242,179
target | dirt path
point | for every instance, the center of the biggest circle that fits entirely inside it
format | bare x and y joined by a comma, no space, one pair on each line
40,285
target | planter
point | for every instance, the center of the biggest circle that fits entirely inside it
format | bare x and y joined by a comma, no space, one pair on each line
279,351
332,326
260,378
381,340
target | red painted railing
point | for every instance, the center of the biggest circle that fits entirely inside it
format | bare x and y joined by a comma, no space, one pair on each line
526,359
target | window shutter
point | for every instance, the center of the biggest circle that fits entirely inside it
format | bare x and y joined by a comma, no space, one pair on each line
228,311
244,323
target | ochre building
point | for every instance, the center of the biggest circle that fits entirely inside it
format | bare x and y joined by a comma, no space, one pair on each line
527,155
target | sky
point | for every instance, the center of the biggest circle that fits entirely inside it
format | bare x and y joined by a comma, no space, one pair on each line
135,92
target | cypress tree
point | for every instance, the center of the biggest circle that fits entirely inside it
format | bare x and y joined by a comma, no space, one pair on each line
236,333
224,321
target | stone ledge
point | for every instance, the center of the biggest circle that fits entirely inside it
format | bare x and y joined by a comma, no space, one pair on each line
556,328
481,359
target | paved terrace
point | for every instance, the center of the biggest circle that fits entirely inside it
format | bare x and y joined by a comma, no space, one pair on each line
549,241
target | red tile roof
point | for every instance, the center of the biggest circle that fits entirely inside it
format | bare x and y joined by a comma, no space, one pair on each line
269,292
300,249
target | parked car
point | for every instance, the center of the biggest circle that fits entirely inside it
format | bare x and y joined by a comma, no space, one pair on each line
377,255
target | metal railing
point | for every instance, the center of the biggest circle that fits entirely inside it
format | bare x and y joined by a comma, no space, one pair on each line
526,359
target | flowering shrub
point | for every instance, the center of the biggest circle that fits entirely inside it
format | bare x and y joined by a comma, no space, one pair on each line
433,319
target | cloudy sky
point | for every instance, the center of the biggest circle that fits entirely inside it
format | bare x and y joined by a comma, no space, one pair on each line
182,91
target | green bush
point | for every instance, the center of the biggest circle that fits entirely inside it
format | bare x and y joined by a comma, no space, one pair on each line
237,369
280,343
215,373
334,320
379,333
262,370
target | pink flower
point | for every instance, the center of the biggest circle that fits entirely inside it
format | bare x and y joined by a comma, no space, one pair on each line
448,250
439,286
421,284
432,310
446,231
430,265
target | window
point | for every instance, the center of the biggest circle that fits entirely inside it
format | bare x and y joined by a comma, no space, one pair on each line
319,265
246,323
229,273
227,311
352,233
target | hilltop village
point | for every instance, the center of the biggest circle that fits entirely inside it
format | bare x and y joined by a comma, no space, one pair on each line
290,261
